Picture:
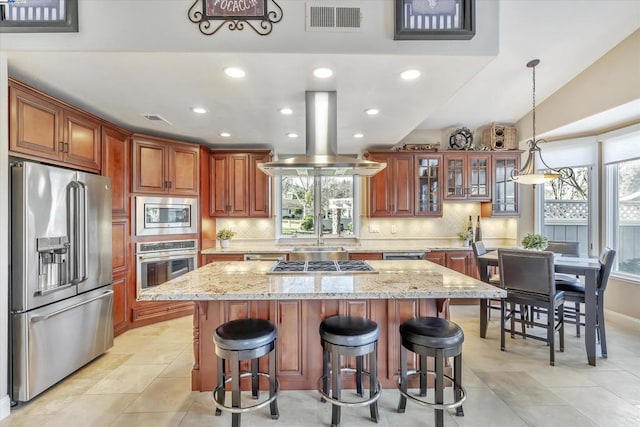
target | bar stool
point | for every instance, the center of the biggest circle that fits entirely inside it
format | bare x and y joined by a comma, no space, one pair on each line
245,339
438,338
349,336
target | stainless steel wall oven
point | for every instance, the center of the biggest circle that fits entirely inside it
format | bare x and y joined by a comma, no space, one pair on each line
159,262
156,216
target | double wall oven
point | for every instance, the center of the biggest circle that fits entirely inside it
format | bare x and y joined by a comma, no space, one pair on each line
164,259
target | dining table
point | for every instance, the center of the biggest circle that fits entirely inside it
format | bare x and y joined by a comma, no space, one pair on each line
585,267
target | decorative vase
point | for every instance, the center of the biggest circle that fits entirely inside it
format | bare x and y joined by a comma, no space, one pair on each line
224,243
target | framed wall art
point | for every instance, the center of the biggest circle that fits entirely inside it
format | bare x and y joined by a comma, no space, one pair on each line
38,16
434,19
259,15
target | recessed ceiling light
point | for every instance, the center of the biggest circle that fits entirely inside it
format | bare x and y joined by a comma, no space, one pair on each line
292,135
198,110
235,72
410,74
286,111
372,111
358,135
225,134
323,73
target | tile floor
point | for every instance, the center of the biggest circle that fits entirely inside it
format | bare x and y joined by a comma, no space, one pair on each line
144,380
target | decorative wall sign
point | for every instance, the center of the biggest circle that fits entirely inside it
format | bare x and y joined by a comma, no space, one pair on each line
38,16
211,15
434,19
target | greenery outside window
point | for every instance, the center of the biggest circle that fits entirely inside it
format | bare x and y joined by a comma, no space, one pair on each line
313,204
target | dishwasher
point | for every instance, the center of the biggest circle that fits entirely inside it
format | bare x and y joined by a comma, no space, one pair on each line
271,256
391,255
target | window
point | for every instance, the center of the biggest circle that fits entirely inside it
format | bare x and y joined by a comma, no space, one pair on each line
621,157
309,202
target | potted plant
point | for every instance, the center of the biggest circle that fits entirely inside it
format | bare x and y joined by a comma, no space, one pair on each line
224,236
466,236
536,242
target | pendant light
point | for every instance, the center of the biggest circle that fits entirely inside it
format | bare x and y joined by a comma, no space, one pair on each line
527,174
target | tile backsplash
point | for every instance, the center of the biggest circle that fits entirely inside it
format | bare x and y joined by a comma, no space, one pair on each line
438,231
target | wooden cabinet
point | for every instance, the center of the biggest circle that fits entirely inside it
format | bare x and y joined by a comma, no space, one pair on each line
121,273
436,257
162,166
237,187
428,185
461,261
391,191
42,127
467,176
115,165
207,259
364,256
505,191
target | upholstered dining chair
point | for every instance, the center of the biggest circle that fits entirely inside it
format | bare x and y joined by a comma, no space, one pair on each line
566,249
575,293
493,279
528,277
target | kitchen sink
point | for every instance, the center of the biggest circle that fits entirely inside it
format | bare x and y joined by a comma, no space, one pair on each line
318,253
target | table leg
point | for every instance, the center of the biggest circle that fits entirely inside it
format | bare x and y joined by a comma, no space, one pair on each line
590,308
484,317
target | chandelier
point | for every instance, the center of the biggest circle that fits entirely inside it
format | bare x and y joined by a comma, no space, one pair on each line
528,174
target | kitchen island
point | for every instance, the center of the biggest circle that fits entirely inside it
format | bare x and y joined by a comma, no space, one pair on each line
297,303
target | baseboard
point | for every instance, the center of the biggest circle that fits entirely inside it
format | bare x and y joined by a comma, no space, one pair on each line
5,407
622,317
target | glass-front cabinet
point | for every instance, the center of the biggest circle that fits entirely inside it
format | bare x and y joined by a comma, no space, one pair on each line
428,169
505,190
467,176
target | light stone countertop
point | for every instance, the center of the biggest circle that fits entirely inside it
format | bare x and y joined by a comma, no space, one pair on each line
238,280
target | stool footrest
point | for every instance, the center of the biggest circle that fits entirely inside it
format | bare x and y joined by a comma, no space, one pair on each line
434,405
342,403
245,409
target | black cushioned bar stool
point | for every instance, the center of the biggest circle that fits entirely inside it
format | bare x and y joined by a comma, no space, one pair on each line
245,339
438,338
349,336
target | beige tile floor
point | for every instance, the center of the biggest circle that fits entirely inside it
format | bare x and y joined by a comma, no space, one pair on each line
144,380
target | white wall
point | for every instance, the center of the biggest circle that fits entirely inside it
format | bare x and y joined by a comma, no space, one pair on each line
611,81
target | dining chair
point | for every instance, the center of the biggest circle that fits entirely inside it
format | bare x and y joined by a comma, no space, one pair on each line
528,277
493,279
575,293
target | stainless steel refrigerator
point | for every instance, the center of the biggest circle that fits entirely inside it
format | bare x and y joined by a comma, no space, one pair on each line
61,294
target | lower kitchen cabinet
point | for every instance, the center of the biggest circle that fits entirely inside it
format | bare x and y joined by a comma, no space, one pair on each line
364,256
207,259
120,317
462,261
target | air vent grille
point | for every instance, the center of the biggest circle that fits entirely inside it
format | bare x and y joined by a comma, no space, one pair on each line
156,118
333,18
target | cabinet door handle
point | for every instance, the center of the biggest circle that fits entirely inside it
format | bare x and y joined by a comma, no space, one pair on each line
168,184
61,147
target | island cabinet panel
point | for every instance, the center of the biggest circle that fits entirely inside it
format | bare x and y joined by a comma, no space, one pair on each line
44,128
162,166
299,352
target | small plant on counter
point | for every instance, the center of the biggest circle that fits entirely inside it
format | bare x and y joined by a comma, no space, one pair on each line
225,234
535,241
465,236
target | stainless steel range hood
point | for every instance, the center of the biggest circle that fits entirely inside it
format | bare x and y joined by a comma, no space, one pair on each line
321,145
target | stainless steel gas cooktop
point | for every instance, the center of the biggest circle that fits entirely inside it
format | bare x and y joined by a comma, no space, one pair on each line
321,267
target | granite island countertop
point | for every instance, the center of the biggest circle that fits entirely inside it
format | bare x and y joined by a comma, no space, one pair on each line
238,280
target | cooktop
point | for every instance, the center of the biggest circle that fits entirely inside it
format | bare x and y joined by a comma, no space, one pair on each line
317,267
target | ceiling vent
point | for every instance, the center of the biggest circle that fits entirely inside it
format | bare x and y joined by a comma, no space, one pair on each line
156,118
330,18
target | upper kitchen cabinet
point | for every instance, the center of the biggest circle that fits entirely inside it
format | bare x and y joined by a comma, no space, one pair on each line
391,191
162,166
467,176
505,190
44,128
115,165
237,187
428,185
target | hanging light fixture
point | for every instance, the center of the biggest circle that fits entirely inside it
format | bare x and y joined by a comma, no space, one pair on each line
527,174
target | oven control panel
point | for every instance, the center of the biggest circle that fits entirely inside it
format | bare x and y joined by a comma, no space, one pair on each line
171,245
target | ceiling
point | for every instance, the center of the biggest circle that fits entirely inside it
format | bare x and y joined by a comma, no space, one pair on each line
137,57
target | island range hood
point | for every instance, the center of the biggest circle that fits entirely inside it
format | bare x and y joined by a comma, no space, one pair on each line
321,145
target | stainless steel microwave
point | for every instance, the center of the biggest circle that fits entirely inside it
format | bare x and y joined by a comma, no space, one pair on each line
156,216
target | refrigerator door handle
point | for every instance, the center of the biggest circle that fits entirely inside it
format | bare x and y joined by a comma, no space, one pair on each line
81,225
72,208
35,319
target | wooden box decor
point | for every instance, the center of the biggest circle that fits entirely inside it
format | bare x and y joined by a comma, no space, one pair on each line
498,137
